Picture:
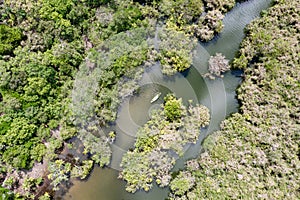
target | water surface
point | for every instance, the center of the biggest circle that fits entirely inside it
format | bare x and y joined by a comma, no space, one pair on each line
218,95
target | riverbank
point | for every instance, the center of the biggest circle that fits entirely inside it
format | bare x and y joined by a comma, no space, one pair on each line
256,153
218,96
159,141
44,44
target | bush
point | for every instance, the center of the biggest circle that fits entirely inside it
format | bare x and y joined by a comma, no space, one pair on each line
9,39
173,108
217,65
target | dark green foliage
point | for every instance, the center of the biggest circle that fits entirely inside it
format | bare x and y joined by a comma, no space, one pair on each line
97,3
62,13
182,11
34,88
55,9
9,39
4,126
20,147
20,131
129,61
17,156
65,58
6,194
125,18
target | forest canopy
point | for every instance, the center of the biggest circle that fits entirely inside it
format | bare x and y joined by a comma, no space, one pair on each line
256,152
66,65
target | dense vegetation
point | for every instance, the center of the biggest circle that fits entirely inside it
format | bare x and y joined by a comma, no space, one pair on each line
175,56
109,74
66,65
167,132
192,18
256,153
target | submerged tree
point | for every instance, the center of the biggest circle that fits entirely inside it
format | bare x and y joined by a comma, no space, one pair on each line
217,65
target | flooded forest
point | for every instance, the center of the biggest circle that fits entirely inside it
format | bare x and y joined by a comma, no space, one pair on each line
149,99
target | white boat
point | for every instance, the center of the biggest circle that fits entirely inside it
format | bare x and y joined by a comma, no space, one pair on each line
155,97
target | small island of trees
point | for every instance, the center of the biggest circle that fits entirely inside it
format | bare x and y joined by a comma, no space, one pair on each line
167,132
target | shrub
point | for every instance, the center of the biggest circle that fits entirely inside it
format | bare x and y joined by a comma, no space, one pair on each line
9,39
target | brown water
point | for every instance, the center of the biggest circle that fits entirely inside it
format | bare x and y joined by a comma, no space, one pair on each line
218,95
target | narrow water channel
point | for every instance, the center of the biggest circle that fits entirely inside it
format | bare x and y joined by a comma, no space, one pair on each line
218,95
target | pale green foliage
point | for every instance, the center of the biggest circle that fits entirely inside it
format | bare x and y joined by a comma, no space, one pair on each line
185,10
45,196
183,182
30,184
8,182
208,25
141,168
53,145
151,159
101,83
97,146
106,75
256,152
137,171
223,5
58,172
202,19
82,171
175,51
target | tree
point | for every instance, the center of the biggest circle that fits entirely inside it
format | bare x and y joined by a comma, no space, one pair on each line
173,108
9,39
217,65
183,182
59,172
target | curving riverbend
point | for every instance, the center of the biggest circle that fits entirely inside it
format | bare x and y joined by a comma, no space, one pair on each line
217,95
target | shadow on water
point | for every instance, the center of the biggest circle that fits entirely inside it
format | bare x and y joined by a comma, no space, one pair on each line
218,95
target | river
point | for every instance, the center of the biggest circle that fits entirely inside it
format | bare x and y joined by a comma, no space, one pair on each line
218,95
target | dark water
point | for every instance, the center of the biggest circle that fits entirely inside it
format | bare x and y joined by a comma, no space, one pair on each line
218,95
